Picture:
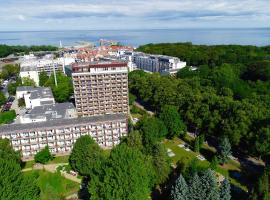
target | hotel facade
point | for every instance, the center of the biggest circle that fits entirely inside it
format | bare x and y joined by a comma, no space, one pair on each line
101,97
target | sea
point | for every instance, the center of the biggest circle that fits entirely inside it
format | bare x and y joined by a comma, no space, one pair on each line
254,36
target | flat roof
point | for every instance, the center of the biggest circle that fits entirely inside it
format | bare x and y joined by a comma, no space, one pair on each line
98,64
14,128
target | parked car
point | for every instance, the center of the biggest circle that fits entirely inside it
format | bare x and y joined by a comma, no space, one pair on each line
10,99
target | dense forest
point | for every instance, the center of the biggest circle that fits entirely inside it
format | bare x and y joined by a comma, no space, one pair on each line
196,55
6,50
224,96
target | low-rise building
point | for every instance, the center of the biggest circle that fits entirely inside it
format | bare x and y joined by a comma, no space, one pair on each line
35,96
49,112
61,134
30,72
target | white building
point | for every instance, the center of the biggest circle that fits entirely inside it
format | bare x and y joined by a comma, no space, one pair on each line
49,112
35,96
157,63
30,72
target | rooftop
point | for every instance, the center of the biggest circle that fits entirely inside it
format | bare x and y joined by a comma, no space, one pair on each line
13,128
97,64
50,112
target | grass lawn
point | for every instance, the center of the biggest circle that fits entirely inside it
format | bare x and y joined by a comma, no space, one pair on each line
186,156
53,185
59,159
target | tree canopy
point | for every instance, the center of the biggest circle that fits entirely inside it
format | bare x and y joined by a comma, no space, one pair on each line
14,184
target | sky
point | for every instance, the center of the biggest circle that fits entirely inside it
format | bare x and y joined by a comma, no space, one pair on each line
34,15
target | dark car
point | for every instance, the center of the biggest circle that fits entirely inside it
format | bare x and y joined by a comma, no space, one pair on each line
10,99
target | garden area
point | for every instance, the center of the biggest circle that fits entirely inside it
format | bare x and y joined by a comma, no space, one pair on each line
184,156
53,185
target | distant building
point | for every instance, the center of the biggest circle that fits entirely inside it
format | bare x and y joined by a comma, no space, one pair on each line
61,134
100,87
157,63
35,96
30,72
46,63
49,112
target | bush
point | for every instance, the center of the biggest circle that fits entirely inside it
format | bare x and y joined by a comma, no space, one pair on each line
43,156
21,102
7,117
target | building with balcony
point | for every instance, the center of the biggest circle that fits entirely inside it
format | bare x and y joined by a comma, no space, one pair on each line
154,63
100,87
61,134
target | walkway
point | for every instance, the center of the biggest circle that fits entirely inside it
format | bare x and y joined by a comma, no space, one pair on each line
52,168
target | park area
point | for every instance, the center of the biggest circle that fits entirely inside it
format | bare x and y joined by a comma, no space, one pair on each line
53,185
180,151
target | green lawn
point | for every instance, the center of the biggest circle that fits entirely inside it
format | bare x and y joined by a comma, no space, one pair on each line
53,185
186,156
59,159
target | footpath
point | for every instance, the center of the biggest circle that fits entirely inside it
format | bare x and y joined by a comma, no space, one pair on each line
52,168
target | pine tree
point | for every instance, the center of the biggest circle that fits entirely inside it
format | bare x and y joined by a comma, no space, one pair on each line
225,190
209,187
180,190
224,150
195,188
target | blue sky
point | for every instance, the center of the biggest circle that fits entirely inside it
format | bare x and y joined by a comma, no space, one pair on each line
132,14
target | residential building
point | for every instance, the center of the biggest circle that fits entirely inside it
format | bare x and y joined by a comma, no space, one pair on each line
35,96
30,72
100,87
46,63
61,134
49,112
157,63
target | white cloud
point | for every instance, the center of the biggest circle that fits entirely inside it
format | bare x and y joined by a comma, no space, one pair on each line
98,14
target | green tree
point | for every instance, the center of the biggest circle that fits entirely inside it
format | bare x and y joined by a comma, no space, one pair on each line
169,115
224,150
132,98
197,144
21,102
195,191
86,156
43,156
161,163
127,175
28,82
214,163
12,87
180,189
7,117
209,188
10,70
64,88
14,185
43,78
153,130
225,190
3,99
262,142
134,140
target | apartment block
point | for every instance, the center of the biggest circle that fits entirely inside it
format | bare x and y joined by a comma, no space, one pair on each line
157,63
61,134
100,87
